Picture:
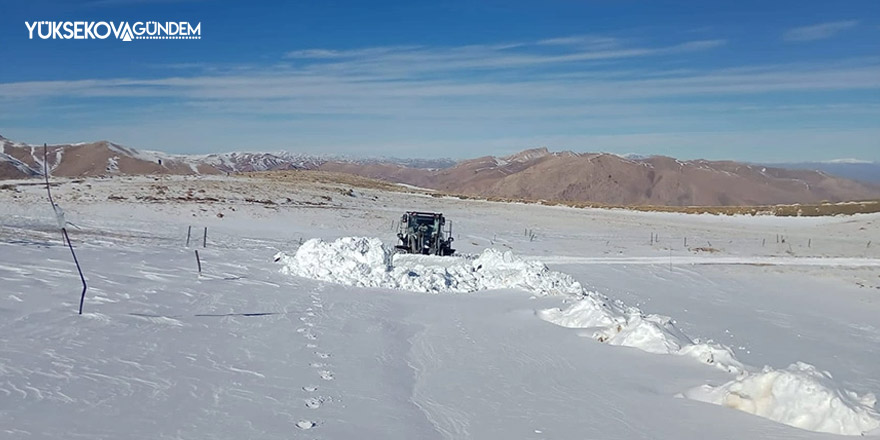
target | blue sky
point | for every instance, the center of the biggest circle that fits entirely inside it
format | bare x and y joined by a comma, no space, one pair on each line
746,80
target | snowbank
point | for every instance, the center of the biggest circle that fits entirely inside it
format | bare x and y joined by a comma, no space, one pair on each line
366,262
362,262
617,324
800,395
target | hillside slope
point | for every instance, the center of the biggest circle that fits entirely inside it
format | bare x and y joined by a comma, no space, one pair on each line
102,158
536,174
611,179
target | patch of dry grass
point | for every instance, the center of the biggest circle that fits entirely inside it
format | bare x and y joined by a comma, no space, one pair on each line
710,250
793,210
325,177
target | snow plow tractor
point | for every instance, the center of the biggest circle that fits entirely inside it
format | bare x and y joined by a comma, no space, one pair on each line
423,233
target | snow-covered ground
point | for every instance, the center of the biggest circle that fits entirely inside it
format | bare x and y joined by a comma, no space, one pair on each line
576,323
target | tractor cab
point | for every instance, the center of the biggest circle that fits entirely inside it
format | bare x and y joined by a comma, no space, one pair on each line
423,233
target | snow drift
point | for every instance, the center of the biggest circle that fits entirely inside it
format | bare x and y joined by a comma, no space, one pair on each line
361,262
618,324
366,262
800,395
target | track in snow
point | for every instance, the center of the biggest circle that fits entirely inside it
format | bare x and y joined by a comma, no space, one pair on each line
678,260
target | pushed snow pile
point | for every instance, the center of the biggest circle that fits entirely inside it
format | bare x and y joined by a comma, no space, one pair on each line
494,269
801,396
719,355
617,324
366,262
348,260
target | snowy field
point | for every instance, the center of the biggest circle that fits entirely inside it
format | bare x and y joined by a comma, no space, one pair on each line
552,323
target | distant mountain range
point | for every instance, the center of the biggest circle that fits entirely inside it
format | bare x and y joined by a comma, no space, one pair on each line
612,179
531,174
102,158
846,168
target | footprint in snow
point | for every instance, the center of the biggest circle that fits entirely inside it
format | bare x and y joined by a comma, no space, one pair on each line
311,346
311,336
306,424
301,330
318,365
310,389
314,402
326,375
322,355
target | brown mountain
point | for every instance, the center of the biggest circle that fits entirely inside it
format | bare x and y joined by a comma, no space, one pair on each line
606,178
103,158
534,174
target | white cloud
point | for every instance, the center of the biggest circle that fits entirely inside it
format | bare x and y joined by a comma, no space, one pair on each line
582,40
818,31
317,54
361,78
848,160
774,145
394,96
385,59
360,88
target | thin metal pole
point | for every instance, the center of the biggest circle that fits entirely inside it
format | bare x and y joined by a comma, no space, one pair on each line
46,176
46,172
65,237
82,278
